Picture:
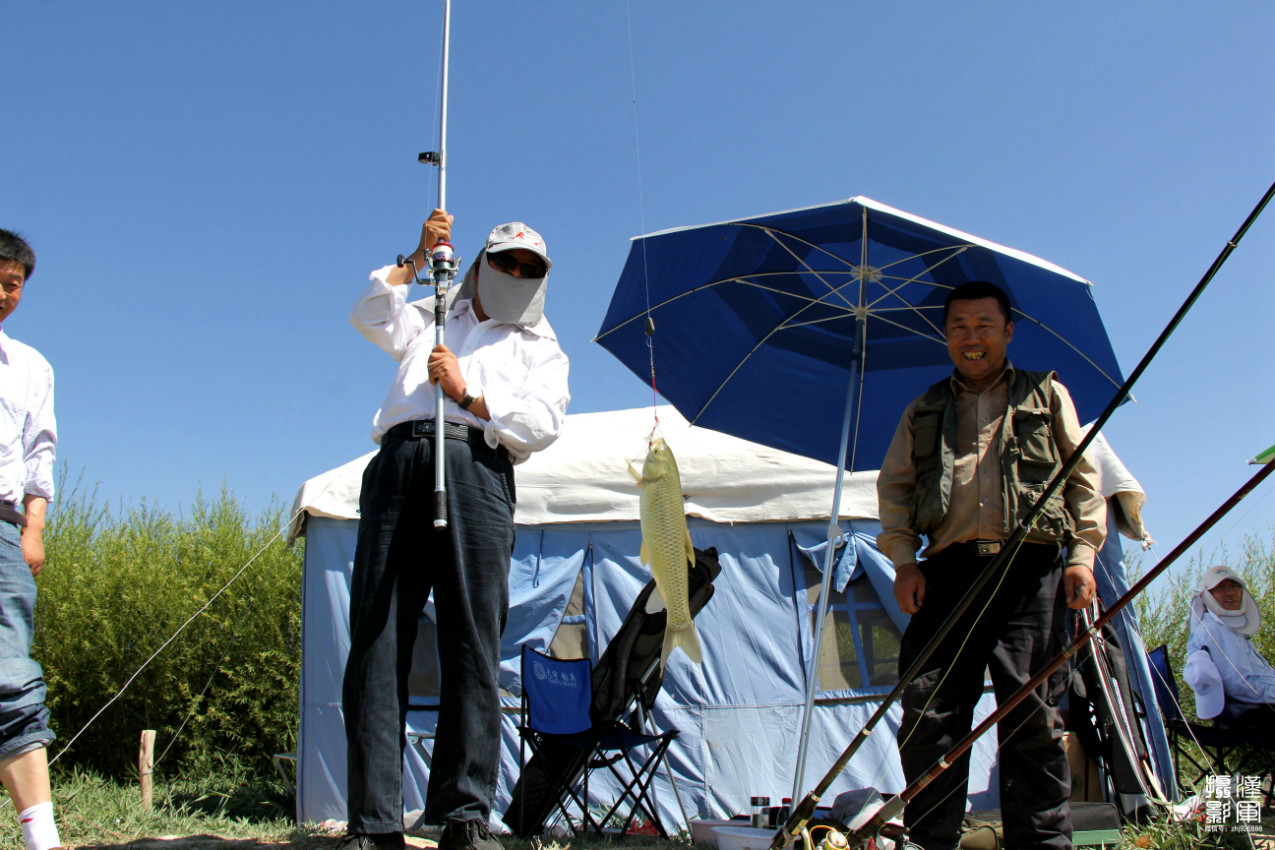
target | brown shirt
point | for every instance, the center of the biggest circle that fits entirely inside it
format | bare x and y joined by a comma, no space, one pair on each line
977,509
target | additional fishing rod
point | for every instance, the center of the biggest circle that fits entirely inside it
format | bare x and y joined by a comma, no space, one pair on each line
442,263
803,811
896,804
1114,692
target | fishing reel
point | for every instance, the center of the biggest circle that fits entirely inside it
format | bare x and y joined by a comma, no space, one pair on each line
443,261
442,265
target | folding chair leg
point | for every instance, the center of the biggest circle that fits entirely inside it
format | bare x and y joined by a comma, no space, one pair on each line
638,788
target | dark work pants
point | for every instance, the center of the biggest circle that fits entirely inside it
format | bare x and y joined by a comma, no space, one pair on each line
1014,637
399,557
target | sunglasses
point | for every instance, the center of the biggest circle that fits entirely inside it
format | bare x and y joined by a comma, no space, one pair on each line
506,263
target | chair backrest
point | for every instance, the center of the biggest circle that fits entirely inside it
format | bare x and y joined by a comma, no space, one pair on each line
1166,686
556,692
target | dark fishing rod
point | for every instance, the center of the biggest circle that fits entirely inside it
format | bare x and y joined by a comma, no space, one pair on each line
895,805
804,811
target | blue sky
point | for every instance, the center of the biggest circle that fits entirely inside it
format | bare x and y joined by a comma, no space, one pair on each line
207,186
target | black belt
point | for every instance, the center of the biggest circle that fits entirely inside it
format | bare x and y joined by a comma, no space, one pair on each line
9,513
418,428
987,548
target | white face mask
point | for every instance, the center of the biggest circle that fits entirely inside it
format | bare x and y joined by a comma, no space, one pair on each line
505,298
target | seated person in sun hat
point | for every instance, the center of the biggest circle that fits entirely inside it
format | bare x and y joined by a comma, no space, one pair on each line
1220,651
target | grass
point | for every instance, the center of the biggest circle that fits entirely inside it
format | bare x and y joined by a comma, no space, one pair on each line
93,811
243,809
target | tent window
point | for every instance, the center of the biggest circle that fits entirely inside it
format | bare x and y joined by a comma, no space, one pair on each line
571,640
860,643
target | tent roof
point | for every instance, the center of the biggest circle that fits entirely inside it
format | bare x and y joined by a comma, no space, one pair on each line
582,477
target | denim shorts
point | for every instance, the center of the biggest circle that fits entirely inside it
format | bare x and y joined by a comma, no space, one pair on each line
24,721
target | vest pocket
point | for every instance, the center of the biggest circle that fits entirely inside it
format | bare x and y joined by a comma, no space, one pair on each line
1054,520
1038,458
925,434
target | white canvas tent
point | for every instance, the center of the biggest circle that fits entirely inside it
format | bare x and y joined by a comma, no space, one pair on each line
575,573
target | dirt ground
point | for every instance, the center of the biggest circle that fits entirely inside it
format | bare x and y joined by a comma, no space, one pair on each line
212,842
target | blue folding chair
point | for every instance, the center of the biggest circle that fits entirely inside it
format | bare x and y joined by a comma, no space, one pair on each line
556,698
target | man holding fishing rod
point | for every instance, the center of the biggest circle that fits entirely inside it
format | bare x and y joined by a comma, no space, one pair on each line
504,380
967,463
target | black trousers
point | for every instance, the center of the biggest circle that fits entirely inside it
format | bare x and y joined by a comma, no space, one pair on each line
1014,628
398,559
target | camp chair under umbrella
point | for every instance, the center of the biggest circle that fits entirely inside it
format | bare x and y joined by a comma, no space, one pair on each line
810,330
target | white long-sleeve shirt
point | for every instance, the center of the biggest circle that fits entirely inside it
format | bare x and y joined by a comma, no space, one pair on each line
28,430
1248,680
521,373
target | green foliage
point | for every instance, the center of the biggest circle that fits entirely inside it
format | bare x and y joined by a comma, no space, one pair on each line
117,586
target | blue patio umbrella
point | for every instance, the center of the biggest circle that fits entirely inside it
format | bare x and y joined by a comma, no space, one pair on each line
810,330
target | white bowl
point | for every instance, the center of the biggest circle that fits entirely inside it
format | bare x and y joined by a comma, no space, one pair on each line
743,837
702,830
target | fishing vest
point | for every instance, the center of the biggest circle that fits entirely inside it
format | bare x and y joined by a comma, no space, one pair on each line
1028,453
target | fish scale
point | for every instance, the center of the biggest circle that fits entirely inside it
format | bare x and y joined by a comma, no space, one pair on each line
666,547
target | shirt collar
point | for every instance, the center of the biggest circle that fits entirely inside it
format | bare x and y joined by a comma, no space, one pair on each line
1007,375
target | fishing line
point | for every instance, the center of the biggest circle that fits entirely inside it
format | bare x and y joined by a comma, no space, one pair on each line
637,153
1099,562
183,626
947,672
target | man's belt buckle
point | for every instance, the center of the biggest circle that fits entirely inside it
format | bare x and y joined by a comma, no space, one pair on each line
988,547
422,428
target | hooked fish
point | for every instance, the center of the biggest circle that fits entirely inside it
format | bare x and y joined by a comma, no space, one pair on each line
666,547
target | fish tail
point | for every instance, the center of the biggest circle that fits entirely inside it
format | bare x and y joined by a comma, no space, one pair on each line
686,639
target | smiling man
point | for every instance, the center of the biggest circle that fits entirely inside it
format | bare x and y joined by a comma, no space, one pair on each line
969,459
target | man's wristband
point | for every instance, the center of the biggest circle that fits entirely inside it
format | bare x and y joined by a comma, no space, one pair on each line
467,400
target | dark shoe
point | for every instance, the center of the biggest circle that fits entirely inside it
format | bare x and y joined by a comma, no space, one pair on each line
467,835
380,841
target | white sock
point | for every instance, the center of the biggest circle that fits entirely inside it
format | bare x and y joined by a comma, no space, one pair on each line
38,829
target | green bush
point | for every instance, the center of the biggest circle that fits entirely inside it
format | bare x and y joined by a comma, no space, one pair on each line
116,587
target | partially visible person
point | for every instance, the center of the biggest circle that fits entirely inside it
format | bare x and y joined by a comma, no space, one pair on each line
1224,618
28,436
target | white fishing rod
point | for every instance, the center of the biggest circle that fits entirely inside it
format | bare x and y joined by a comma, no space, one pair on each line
442,262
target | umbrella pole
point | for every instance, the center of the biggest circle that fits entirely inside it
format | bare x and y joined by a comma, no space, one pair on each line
834,532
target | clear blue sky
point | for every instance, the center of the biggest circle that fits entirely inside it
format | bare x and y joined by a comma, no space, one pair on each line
208,185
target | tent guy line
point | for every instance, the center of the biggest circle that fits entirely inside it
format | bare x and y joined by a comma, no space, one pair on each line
283,531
